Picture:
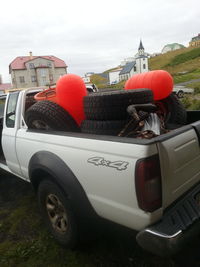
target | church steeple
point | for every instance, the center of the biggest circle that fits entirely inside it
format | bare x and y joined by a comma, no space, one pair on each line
141,47
141,59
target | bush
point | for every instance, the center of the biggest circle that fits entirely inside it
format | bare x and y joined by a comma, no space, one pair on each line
191,103
186,102
195,105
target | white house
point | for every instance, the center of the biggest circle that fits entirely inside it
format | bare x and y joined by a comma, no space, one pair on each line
139,65
86,79
128,70
171,47
114,76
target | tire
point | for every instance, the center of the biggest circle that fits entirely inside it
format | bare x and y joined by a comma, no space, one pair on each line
112,105
172,110
47,115
180,94
52,202
103,127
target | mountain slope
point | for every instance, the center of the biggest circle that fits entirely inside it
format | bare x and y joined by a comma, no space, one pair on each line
183,64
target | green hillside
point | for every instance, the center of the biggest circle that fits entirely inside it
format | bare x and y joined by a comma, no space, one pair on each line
183,64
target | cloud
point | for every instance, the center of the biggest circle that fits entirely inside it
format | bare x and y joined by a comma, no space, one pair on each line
93,35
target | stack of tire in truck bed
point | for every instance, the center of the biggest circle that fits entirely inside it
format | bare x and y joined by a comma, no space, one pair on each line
118,113
106,112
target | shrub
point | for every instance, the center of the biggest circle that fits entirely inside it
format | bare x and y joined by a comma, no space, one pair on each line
191,103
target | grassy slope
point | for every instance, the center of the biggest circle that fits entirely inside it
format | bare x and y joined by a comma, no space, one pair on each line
183,64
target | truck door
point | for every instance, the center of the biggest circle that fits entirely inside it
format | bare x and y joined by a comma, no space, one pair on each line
10,126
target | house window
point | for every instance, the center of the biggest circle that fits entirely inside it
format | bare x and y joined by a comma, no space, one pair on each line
21,79
134,68
49,64
44,80
144,66
51,77
31,66
43,72
33,79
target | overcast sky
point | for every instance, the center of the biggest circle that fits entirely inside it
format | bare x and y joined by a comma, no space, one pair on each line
92,35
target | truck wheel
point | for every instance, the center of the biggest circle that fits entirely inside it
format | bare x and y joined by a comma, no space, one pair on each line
172,110
112,105
57,213
103,127
47,115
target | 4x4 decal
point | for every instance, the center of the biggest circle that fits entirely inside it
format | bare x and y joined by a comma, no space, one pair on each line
99,161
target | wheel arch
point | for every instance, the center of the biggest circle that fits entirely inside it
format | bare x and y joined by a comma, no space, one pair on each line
45,165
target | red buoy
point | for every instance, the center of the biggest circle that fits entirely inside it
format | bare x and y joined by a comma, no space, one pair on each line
70,90
159,81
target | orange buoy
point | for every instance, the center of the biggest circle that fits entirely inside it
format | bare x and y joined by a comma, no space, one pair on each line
70,91
159,81
48,94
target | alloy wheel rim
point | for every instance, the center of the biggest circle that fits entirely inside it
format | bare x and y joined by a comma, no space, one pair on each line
57,213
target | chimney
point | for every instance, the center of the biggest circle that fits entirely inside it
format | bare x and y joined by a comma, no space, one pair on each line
31,55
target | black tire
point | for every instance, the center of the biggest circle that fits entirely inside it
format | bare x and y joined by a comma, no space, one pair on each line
180,94
103,127
53,202
172,110
112,105
47,115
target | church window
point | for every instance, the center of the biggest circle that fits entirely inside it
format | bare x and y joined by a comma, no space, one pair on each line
144,66
135,68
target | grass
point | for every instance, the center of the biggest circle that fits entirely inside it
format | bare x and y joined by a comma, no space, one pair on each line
24,240
195,86
98,80
184,57
190,75
191,103
183,64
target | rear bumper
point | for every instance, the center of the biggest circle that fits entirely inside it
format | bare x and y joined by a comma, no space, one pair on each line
178,225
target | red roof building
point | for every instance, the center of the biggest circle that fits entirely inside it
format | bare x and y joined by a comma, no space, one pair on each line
33,71
5,86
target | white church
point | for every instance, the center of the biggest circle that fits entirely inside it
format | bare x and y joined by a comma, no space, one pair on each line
130,66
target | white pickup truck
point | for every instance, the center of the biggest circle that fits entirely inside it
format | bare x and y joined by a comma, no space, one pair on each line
151,186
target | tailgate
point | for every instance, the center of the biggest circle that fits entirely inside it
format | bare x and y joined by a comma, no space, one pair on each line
180,162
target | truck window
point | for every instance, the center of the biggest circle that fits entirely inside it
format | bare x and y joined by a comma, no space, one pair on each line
2,104
11,109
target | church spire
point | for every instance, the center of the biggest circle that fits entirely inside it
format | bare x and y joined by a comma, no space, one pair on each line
141,47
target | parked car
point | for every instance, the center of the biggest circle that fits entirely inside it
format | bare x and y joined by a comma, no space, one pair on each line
91,87
180,90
